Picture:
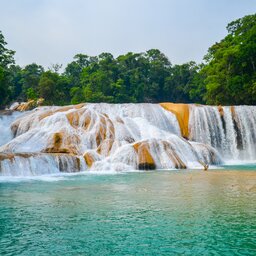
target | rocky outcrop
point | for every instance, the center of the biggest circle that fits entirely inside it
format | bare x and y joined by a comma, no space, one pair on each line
145,159
63,143
181,112
146,149
102,126
25,106
29,121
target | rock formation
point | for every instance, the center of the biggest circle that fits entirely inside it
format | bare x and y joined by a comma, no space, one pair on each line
127,136
181,112
25,106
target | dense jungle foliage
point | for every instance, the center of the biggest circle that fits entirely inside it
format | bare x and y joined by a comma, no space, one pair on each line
227,76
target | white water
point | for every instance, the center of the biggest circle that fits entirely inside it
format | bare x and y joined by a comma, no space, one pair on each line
109,132
40,164
234,138
5,126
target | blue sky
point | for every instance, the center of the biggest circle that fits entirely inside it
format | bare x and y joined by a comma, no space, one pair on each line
53,31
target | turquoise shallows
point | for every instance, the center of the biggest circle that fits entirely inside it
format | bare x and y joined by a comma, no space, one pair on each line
147,213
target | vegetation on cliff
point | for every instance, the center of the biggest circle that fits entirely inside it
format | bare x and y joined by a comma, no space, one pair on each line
227,76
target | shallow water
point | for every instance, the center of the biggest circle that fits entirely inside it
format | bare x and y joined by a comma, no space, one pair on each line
140,213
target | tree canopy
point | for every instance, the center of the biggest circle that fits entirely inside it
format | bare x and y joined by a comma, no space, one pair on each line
230,72
227,76
6,60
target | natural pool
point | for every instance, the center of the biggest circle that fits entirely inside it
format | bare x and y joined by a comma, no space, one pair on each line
138,213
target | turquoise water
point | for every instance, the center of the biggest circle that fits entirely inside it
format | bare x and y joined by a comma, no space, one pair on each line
144,213
241,167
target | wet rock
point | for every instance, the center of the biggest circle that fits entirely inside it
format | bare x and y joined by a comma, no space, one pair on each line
182,114
145,159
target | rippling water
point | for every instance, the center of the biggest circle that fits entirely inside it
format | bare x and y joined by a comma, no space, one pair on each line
150,213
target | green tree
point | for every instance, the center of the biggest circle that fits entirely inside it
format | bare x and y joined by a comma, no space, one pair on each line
181,82
53,88
158,70
6,60
6,55
30,77
230,73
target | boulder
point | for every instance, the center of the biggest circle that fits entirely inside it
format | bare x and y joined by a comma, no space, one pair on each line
91,157
145,159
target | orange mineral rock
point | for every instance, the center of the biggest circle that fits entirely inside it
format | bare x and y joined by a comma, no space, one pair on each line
63,143
182,114
89,159
145,159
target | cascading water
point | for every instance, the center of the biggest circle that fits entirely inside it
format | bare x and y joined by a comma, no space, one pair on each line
123,137
230,130
100,137
35,164
6,119
152,114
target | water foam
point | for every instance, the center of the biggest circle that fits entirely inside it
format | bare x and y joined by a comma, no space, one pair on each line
111,135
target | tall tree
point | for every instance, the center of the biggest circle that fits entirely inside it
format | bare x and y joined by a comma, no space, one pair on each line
230,73
54,88
6,60
31,75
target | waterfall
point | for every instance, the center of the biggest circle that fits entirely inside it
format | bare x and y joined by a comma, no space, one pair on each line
206,126
34,164
6,119
97,137
230,130
100,137
245,126
150,113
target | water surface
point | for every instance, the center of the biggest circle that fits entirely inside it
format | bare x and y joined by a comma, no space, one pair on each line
140,213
